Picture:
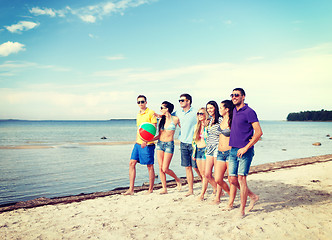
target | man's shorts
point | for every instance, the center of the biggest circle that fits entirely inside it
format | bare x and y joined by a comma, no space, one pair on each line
240,166
200,154
144,156
186,155
223,155
167,147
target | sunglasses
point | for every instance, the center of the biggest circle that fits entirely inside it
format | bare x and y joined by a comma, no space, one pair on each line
200,114
161,108
182,100
235,95
140,102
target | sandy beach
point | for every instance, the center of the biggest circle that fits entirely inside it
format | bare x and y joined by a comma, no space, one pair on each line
295,203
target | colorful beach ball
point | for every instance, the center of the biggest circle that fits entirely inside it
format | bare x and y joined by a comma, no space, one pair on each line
147,131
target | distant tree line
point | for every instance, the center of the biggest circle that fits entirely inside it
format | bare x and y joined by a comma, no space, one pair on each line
322,115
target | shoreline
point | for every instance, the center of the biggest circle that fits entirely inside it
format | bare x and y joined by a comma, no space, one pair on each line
268,167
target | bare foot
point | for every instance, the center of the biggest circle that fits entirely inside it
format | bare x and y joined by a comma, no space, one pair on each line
164,191
188,194
128,192
179,185
228,208
148,192
253,201
241,215
215,202
200,197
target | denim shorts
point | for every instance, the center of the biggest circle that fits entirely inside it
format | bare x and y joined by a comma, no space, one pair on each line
145,155
186,155
200,154
167,147
212,150
240,166
223,155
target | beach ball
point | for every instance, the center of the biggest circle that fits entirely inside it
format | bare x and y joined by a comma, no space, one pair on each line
147,131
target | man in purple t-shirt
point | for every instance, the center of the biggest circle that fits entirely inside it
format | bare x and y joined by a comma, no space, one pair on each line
245,132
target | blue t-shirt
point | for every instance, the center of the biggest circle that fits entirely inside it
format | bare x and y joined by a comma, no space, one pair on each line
242,130
188,121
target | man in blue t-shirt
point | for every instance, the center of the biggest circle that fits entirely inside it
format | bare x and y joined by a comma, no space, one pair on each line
188,121
245,132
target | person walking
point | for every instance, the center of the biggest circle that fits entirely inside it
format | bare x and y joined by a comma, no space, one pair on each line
245,133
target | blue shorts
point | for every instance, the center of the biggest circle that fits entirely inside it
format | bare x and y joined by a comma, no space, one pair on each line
240,166
186,153
223,155
200,154
212,150
167,147
144,156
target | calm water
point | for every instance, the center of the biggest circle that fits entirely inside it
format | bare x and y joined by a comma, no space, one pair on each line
70,168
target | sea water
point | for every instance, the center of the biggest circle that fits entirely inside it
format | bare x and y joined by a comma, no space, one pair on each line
68,158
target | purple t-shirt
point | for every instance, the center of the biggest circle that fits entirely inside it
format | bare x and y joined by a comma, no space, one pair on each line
242,130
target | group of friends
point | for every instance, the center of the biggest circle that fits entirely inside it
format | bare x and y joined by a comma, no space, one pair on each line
213,137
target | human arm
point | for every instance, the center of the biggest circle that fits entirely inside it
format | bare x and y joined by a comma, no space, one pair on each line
257,135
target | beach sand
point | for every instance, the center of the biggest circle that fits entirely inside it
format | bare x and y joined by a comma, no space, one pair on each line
295,203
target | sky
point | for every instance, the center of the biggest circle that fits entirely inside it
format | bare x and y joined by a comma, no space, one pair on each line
89,60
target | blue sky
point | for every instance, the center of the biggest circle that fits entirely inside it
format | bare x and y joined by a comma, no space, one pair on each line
88,60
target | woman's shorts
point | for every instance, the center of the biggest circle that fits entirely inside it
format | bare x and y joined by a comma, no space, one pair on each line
212,150
223,155
200,154
167,147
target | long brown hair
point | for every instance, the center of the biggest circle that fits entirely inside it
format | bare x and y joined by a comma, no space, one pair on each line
229,104
199,124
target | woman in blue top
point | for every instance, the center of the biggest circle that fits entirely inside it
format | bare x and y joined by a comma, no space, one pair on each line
165,145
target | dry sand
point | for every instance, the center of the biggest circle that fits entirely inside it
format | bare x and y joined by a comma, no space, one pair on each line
295,203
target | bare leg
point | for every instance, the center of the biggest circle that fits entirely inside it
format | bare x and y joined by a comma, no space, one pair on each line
243,192
152,176
190,180
220,169
208,172
132,176
165,170
253,197
201,167
199,174
160,156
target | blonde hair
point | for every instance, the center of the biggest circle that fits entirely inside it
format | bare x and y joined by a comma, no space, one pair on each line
199,124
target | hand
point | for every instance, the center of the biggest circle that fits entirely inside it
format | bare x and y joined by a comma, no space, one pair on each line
241,151
157,115
143,145
194,158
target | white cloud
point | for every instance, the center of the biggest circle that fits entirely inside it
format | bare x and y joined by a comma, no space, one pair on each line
323,48
45,11
46,104
300,81
8,48
88,18
12,67
21,26
91,14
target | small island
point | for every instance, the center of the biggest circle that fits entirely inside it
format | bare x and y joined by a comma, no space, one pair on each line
322,116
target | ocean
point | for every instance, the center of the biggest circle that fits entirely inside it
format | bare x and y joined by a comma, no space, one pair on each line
62,158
